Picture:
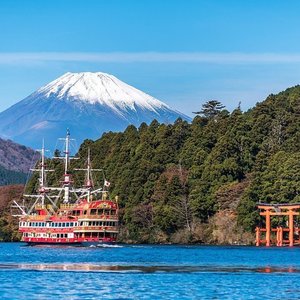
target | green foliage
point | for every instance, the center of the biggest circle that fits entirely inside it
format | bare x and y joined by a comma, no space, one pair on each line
11,177
211,109
168,176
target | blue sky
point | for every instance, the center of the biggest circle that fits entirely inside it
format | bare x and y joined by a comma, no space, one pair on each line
181,52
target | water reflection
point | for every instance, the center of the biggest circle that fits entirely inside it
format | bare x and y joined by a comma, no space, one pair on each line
146,269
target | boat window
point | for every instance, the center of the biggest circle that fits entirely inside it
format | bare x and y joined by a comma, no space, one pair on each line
59,224
72,224
93,211
85,212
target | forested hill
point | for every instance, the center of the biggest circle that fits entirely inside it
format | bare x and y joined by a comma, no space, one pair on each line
16,157
200,182
15,162
172,179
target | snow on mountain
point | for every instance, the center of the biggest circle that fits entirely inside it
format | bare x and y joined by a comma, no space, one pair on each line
99,88
87,103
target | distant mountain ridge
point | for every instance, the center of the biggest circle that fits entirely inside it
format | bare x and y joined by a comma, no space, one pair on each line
86,103
15,162
15,157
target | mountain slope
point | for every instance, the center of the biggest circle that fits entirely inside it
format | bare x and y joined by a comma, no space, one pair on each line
15,162
8,177
86,103
15,157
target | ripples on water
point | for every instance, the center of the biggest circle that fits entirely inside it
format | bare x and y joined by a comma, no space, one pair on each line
148,272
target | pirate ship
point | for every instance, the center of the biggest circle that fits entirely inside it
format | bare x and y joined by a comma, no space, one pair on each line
66,214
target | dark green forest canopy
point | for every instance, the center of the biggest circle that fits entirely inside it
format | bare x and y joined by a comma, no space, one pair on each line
168,177
11,177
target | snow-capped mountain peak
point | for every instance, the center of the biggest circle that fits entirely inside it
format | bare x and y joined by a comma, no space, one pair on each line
101,88
86,103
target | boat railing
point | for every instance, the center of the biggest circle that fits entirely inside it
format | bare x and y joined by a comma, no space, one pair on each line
40,207
67,206
98,217
37,218
102,228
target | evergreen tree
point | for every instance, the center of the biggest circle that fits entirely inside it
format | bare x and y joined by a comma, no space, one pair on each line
211,109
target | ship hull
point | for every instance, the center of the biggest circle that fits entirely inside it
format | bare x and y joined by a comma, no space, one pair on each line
74,244
69,242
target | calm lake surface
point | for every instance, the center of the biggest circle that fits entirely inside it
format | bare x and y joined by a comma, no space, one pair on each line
148,272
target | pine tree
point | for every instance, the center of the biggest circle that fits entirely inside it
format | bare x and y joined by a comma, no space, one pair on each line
211,109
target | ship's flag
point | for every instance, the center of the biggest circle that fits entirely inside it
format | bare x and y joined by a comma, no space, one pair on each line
106,183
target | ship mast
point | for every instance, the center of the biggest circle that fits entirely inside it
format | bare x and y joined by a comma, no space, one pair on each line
67,181
42,176
43,189
67,178
89,184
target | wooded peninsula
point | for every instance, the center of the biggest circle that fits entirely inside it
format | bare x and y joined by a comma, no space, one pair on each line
195,182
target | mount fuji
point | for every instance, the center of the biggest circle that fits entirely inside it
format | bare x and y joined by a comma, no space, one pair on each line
86,103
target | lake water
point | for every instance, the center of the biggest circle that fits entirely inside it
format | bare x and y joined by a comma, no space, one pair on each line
148,272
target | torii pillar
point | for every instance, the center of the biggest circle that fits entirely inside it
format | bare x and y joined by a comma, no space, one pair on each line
291,228
276,210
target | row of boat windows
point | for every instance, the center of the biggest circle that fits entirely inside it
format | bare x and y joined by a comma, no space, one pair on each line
70,235
94,212
46,235
44,224
97,223
67,224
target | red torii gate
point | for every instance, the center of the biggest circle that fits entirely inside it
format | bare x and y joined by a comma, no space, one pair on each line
264,235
